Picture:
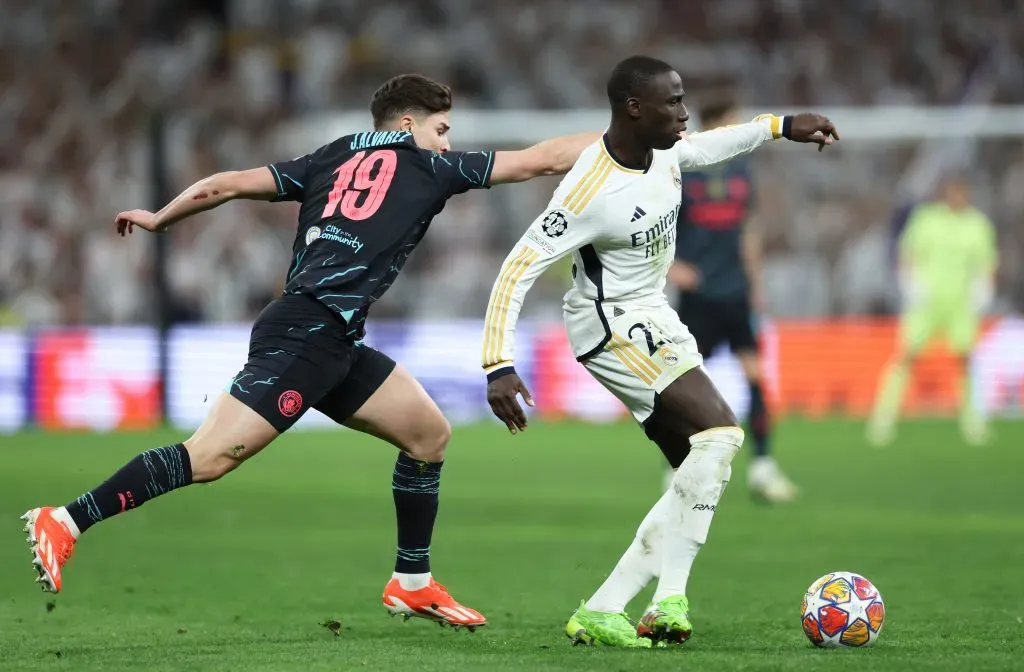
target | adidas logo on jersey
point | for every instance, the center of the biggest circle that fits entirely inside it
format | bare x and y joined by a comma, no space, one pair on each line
637,214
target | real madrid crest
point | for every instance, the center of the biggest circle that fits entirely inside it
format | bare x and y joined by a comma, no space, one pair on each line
676,177
668,356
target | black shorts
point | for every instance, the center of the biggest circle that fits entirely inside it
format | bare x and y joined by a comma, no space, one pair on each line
299,359
714,322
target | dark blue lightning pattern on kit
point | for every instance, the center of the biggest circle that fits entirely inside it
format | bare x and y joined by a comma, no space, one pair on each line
367,200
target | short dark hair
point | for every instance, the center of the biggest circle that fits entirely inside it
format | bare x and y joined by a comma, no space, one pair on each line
714,108
408,93
630,75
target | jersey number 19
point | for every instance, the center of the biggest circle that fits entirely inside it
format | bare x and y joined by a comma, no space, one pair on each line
354,182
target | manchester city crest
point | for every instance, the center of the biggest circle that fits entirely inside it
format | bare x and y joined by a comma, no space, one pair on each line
312,234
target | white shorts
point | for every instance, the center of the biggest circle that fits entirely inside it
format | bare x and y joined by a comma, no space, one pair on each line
649,348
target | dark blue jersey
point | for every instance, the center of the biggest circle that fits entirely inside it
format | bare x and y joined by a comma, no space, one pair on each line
716,204
367,199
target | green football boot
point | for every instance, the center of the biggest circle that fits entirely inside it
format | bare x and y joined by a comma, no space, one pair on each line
598,627
667,621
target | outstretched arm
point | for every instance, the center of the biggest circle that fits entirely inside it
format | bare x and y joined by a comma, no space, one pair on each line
206,194
549,157
727,142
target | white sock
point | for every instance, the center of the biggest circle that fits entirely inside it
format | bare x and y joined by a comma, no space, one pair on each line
638,565
696,488
762,469
60,514
412,581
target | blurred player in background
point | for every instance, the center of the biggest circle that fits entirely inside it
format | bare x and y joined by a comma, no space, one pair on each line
947,265
367,201
615,213
718,270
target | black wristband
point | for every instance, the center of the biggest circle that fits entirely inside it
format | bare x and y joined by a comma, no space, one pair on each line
500,373
787,127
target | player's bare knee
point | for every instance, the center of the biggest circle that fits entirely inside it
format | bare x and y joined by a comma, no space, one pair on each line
430,443
211,461
201,459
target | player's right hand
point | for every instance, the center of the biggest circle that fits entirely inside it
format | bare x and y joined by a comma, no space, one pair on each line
502,395
816,128
144,219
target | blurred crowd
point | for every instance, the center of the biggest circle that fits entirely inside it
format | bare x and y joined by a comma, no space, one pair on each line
86,82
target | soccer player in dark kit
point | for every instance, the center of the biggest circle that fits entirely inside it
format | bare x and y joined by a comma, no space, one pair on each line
718,269
367,200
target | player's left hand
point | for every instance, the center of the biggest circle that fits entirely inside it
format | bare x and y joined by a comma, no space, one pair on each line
816,128
144,219
684,276
502,395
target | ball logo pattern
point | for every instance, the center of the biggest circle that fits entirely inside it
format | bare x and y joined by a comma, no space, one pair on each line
555,224
842,609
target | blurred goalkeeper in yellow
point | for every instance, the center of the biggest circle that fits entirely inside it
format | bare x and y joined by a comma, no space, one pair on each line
947,260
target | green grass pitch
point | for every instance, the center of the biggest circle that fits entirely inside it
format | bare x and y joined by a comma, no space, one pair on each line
239,575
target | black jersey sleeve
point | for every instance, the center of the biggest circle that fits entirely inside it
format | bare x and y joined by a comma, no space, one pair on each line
458,172
291,177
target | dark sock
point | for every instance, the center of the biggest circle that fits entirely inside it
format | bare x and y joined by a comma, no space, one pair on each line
415,485
147,475
758,420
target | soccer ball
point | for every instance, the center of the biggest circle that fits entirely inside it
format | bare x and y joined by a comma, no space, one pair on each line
842,609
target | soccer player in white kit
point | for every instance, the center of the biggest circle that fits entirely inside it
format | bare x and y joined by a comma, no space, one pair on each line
615,213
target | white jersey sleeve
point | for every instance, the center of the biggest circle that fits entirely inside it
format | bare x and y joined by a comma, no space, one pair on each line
722,144
567,224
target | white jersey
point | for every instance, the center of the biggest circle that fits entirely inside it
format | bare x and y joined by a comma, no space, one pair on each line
619,225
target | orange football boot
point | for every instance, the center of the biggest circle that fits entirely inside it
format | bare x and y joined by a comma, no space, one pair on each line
51,544
433,602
